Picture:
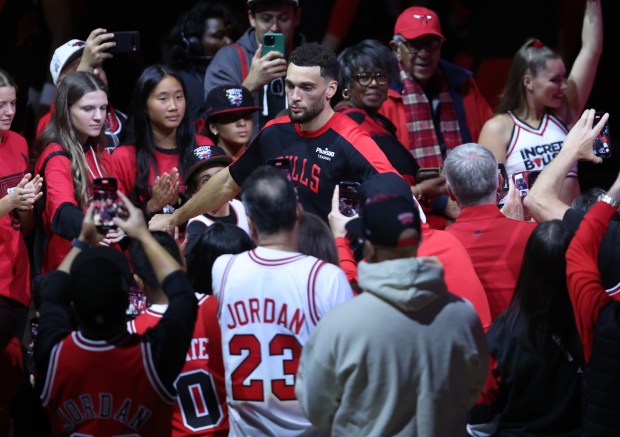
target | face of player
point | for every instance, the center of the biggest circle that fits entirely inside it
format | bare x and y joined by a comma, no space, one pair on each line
548,86
203,176
233,129
278,17
368,97
215,36
88,115
308,95
8,100
420,56
165,106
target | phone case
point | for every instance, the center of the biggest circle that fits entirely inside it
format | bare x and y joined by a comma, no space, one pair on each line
602,143
126,42
273,42
427,173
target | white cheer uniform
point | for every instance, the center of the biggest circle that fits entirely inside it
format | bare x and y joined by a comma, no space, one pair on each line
533,148
269,303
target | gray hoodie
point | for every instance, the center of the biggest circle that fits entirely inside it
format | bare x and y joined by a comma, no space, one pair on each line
406,357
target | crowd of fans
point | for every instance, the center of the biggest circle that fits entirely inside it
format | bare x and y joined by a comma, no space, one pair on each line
324,243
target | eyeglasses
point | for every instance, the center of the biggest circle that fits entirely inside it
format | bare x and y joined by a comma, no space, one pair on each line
364,78
416,45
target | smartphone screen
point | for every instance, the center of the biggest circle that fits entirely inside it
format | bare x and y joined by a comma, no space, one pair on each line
283,164
273,42
349,199
427,173
521,182
126,42
602,143
105,201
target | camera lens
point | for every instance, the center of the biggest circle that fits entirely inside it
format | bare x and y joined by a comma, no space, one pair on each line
270,40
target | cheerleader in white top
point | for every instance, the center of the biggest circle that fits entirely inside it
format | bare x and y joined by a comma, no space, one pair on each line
540,101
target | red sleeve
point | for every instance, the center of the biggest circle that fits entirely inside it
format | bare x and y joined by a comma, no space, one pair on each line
585,286
347,260
393,110
123,167
43,121
341,17
59,186
477,109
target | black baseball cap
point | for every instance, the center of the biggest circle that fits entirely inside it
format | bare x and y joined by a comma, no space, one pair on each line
225,99
384,217
100,279
204,155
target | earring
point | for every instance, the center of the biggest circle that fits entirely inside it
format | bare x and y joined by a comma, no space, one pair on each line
346,94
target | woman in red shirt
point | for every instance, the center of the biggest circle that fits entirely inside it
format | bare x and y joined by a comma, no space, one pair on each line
159,134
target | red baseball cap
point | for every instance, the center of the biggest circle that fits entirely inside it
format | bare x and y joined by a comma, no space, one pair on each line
417,21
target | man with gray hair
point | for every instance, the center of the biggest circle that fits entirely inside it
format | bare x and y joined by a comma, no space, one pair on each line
495,243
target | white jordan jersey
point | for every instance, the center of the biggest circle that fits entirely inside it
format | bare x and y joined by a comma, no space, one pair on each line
532,149
269,303
237,207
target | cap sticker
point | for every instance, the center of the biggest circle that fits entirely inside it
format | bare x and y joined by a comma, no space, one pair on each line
203,152
235,96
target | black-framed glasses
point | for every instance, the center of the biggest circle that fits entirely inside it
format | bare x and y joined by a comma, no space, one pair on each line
365,78
415,45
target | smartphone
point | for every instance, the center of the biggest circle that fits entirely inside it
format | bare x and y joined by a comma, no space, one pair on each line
520,180
602,143
273,42
126,42
105,201
532,175
283,164
427,173
350,199
502,183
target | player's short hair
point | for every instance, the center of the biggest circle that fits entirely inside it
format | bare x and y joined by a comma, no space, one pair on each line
140,262
218,239
471,173
313,54
270,200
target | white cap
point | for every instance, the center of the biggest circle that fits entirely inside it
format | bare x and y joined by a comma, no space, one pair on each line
63,54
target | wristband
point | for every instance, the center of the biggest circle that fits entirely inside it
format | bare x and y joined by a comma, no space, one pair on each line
82,245
609,200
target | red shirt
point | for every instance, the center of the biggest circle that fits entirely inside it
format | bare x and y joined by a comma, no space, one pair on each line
460,275
495,245
201,402
59,190
124,165
14,261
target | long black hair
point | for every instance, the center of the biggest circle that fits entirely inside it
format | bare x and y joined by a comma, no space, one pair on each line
218,239
139,132
541,296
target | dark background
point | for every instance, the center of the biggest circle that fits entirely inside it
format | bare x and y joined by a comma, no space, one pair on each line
477,31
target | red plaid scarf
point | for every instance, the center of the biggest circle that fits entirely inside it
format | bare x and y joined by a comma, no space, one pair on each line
423,142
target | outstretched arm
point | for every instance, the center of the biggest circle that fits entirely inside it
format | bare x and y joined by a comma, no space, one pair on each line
543,201
583,72
219,189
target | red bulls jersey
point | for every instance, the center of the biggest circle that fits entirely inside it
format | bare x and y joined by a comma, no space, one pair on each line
119,395
201,401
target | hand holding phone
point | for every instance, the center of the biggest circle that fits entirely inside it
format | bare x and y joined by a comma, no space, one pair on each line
349,199
602,143
273,42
